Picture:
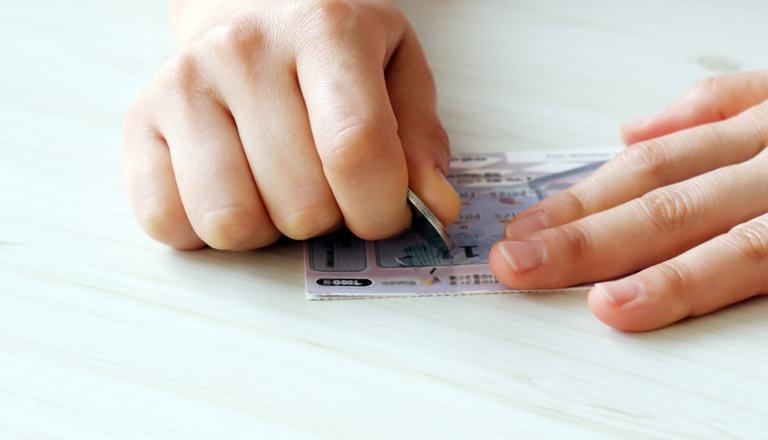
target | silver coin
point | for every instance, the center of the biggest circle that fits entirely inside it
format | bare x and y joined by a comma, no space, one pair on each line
426,223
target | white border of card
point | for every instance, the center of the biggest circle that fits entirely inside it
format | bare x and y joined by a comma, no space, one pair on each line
494,188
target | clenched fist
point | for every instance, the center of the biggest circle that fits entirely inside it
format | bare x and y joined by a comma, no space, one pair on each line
286,118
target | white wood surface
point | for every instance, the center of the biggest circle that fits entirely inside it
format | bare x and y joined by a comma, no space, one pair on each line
107,335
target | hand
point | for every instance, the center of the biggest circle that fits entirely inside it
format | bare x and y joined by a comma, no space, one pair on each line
684,210
288,117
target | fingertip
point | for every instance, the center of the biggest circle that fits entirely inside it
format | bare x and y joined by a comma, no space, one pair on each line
691,110
630,134
639,315
641,129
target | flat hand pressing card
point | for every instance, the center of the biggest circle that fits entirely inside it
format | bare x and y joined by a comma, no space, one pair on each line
493,187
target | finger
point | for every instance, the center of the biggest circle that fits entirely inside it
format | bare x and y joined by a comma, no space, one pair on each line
711,100
649,165
215,183
425,142
635,235
274,129
152,187
354,128
723,271
285,162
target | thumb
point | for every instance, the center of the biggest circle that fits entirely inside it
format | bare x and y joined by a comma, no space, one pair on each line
425,143
710,100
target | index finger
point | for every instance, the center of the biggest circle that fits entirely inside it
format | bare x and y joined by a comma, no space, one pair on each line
650,165
343,82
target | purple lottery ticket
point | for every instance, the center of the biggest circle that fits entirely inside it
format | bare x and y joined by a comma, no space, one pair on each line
493,187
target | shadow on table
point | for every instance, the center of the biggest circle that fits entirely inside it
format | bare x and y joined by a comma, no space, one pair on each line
736,320
281,263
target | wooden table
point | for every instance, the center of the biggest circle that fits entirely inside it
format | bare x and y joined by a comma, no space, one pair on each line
107,335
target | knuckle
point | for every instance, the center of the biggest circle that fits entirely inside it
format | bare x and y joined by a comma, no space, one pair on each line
442,152
443,138
444,148
308,223
677,279
751,239
335,8
574,202
668,209
135,121
168,224
760,113
752,127
437,132
431,143
236,229
381,227
159,222
353,148
341,19
706,85
135,111
576,238
331,18
676,276
182,75
239,40
649,159
332,12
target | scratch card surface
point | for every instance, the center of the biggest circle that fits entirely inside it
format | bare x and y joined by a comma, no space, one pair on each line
494,188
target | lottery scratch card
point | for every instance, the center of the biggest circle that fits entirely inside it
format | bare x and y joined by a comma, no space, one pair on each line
494,188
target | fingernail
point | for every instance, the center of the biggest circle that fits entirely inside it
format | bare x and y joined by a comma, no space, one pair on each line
527,225
522,256
619,292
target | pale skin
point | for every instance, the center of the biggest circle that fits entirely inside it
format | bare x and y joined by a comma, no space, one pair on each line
293,118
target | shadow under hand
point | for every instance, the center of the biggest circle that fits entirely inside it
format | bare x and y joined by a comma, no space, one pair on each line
279,265
744,321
